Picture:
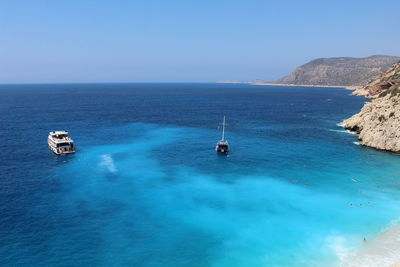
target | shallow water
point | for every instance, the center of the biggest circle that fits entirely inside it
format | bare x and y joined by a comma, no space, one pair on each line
146,187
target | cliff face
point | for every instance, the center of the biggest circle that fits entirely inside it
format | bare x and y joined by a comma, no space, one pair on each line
382,84
339,71
378,122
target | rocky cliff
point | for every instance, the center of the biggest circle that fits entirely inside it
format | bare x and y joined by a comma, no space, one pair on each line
339,71
384,83
378,123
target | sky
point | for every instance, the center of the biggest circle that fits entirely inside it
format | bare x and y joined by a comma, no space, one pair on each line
185,41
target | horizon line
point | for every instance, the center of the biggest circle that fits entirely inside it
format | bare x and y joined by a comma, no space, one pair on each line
50,83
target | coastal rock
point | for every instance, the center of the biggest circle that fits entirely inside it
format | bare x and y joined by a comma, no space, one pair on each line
378,122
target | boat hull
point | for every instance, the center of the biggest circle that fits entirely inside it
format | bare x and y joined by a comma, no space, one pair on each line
222,146
60,151
222,149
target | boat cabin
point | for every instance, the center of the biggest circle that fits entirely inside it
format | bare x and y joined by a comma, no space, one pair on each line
60,142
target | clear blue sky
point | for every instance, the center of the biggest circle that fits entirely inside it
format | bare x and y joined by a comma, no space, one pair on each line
180,41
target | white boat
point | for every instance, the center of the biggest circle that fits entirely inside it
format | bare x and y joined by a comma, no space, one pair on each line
60,143
222,145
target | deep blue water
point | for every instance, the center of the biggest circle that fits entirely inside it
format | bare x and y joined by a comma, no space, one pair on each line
146,187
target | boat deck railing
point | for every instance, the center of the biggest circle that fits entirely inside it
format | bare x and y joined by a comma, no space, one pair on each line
67,138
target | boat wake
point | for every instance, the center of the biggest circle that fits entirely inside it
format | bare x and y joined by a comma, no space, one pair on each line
108,162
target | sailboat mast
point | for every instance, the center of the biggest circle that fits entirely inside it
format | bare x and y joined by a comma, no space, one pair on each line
223,130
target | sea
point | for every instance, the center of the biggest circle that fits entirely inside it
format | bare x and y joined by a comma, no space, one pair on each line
146,187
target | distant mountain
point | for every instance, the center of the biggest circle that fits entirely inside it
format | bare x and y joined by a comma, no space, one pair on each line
340,71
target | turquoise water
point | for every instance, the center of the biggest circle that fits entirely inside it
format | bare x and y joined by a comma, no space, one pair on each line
146,187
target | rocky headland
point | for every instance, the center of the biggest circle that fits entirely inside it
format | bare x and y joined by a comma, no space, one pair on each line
378,122
339,71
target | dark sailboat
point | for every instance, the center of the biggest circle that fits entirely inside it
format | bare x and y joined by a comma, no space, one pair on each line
222,145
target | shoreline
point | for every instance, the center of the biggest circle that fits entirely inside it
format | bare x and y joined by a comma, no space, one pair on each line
347,87
381,250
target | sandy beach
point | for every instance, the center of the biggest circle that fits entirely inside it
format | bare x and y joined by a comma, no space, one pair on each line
349,87
307,85
383,251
